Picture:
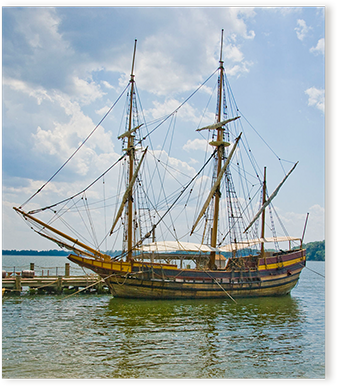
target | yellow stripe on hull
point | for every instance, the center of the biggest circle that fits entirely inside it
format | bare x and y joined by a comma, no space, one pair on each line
263,267
120,266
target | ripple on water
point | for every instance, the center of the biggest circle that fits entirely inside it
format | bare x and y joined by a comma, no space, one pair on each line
96,336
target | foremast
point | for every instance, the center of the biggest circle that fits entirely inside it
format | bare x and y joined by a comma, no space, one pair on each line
127,200
220,153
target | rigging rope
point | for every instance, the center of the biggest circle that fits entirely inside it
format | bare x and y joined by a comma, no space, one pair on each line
82,144
82,191
194,92
168,210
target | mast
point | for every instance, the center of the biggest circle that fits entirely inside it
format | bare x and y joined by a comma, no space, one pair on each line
131,154
263,213
271,197
220,148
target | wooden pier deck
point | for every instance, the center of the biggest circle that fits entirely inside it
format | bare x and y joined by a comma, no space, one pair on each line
54,284
15,282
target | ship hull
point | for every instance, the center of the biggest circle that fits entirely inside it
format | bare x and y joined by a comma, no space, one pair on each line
274,276
161,289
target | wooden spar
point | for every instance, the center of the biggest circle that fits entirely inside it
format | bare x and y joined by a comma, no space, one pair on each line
218,124
220,149
216,184
263,215
56,231
304,229
272,196
131,153
127,192
128,133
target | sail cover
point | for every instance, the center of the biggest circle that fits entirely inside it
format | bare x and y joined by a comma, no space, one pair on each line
174,246
252,242
179,246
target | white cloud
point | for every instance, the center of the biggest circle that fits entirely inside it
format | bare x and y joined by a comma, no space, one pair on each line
107,84
86,91
40,28
239,69
320,11
102,111
316,98
233,53
197,144
238,16
285,11
38,93
177,61
302,29
187,112
64,139
83,91
320,47
179,165
193,161
294,223
53,71
61,138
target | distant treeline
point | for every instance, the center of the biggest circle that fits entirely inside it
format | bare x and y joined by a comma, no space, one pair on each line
50,252
315,252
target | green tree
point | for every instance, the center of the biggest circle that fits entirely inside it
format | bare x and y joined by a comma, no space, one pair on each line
315,250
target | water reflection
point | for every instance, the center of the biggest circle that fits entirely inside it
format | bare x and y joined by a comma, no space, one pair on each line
210,338
90,336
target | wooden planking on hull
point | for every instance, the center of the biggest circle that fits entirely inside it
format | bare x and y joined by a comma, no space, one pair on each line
169,282
165,289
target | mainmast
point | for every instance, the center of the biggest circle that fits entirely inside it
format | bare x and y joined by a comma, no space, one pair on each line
220,150
131,154
220,170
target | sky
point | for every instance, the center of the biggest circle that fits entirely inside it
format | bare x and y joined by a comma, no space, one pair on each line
63,67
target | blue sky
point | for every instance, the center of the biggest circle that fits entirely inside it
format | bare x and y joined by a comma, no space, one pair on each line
63,67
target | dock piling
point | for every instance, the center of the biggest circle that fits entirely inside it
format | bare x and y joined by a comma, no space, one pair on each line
18,284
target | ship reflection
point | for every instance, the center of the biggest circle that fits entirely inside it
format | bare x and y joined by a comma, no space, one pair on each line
204,338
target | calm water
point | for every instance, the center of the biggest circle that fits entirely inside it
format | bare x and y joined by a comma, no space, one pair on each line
97,336
42,264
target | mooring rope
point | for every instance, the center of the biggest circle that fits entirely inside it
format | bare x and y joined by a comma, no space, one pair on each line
221,287
83,289
314,271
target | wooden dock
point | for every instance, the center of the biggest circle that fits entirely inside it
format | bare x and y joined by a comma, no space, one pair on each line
17,282
54,284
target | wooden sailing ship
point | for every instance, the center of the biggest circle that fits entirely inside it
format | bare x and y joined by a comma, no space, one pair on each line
212,263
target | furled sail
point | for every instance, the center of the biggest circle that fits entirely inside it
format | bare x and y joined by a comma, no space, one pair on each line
127,192
216,184
218,125
130,132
